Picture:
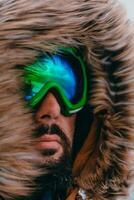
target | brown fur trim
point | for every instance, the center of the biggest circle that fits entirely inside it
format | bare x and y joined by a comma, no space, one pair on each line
30,27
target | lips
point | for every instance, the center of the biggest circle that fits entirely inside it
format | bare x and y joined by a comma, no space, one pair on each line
48,141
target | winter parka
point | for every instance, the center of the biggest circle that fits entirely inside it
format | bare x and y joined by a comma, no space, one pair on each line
104,165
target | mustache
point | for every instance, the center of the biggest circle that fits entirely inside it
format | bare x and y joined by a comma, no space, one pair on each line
49,129
52,129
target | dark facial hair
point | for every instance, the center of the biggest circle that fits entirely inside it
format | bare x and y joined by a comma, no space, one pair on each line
57,174
56,130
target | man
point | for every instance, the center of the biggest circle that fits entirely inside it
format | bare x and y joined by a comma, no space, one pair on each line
72,136
56,90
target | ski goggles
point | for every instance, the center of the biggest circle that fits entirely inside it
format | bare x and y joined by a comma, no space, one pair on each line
63,73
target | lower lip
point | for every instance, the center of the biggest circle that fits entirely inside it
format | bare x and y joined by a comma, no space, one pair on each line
49,142
48,145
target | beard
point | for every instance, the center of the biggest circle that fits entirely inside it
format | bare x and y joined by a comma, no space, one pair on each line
49,152
57,176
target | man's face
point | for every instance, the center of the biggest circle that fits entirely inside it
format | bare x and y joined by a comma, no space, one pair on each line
55,130
56,84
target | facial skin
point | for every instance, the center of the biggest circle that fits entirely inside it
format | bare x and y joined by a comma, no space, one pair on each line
54,138
50,143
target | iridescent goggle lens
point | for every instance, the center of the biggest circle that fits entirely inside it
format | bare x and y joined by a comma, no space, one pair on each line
63,73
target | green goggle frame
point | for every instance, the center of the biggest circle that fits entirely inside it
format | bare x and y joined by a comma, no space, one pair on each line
68,107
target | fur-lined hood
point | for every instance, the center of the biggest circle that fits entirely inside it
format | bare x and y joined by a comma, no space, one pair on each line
29,27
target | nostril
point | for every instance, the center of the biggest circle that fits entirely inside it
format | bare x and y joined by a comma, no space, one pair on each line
46,116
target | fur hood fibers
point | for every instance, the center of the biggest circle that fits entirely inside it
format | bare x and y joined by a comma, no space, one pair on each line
29,27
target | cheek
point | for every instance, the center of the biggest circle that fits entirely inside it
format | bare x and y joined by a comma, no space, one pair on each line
69,126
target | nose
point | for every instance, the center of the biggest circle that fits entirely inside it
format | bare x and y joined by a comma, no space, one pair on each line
48,110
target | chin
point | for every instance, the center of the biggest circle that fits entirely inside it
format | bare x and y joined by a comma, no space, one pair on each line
56,167
52,156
